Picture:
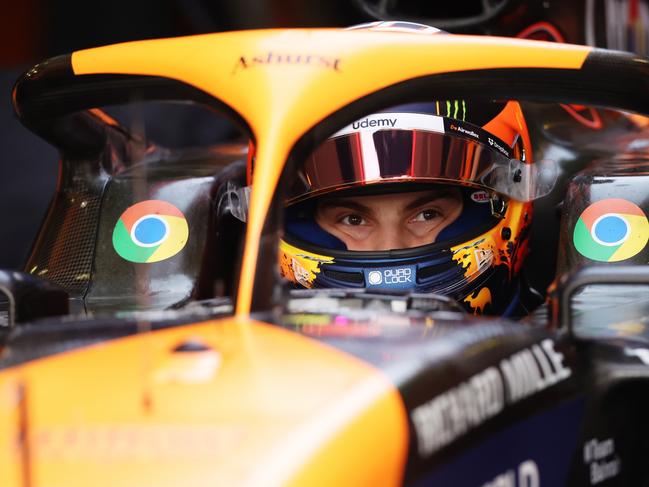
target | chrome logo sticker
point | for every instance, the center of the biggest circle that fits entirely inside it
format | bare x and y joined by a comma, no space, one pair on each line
150,231
611,230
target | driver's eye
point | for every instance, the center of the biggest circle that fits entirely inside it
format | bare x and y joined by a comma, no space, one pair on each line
427,215
352,220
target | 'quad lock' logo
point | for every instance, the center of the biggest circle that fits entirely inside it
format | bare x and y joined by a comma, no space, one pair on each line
287,59
390,276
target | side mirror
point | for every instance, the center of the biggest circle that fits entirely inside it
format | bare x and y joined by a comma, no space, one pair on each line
602,301
24,297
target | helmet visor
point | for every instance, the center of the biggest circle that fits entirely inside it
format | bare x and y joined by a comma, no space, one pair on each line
404,147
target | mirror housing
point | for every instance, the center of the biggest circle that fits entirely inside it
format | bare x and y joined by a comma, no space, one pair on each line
24,297
629,280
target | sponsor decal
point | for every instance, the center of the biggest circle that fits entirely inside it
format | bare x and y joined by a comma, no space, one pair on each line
478,134
145,442
601,459
526,475
375,277
536,451
391,277
395,121
442,419
611,230
302,275
449,415
287,59
532,370
150,231
493,143
462,130
398,276
484,258
376,122
480,196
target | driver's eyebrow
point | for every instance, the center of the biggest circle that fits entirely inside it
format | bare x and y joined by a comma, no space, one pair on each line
428,198
343,203
355,206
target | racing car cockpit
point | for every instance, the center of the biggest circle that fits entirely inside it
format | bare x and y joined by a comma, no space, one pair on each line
428,198
145,179
368,385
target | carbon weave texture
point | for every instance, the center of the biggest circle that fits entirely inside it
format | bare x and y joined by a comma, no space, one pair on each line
65,249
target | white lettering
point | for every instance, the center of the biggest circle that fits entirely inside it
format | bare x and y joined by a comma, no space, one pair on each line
528,476
465,131
530,371
447,416
495,144
550,377
380,122
397,276
596,450
600,456
602,470
521,375
507,479
556,358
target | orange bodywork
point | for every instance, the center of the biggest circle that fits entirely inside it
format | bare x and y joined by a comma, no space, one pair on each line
260,405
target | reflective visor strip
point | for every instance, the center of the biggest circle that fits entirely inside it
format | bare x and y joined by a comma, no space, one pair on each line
398,147
411,147
425,122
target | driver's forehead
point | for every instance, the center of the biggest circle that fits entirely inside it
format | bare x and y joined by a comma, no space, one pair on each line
403,199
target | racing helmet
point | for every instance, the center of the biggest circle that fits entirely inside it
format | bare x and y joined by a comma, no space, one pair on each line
479,150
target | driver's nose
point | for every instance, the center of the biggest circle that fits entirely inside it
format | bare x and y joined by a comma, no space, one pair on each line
390,238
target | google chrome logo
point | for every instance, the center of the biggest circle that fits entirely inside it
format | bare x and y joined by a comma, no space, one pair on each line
150,231
611,230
